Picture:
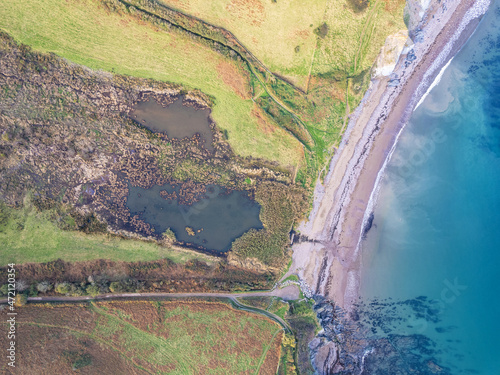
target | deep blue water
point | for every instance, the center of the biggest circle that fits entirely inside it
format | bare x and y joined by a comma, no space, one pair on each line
432,257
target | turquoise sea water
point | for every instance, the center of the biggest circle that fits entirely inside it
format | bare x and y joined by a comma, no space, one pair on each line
432,258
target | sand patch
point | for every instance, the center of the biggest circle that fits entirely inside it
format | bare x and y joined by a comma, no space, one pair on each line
264,125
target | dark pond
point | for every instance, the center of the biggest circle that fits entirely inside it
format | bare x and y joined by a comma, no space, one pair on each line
175,120
215,221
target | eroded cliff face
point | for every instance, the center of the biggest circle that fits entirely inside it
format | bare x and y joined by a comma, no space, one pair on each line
390,52
402,41
415,11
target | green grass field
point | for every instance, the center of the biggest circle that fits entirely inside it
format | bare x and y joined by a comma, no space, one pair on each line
87,33
28,236
318,50
354,39
274,30
271,30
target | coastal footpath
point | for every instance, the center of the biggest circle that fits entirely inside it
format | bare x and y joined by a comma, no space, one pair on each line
327,254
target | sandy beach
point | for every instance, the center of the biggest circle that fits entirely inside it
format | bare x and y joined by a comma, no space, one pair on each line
327,257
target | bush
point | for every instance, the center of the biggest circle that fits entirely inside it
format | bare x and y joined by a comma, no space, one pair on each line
4,213
33,291
21,285
44,286
116,287
93,290
359,5
169,235
76,291
63,288
89,223
322,30
21,299
77,360
4,289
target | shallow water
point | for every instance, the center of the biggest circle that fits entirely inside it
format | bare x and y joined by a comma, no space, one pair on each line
175,120
216,220
436,231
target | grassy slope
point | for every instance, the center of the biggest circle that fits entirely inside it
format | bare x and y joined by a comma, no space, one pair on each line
40,240
354,39
271,30
205,332
86,33
349,49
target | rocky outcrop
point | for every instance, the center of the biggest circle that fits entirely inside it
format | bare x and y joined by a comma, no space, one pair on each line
324,356
414,12
390,52
334,350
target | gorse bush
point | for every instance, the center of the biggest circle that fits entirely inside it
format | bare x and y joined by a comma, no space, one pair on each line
321,30
63,288
93,290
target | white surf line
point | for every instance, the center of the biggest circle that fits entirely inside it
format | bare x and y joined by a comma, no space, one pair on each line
434,83
479,9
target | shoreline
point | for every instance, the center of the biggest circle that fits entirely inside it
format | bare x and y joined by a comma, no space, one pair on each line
327,255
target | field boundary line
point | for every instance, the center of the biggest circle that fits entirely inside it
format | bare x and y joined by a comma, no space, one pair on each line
264,355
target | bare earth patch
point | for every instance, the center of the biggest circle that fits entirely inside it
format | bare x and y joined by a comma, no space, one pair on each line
233,78
264,125
249,11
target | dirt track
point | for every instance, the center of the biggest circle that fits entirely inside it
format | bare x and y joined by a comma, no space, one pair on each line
287,293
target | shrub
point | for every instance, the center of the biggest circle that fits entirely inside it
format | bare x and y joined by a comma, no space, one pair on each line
63,288
77,360
116,287
93,290
169,235
21,299
21,285
359,5
321,30
4,289
33,291
89,223
76,291
44,286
